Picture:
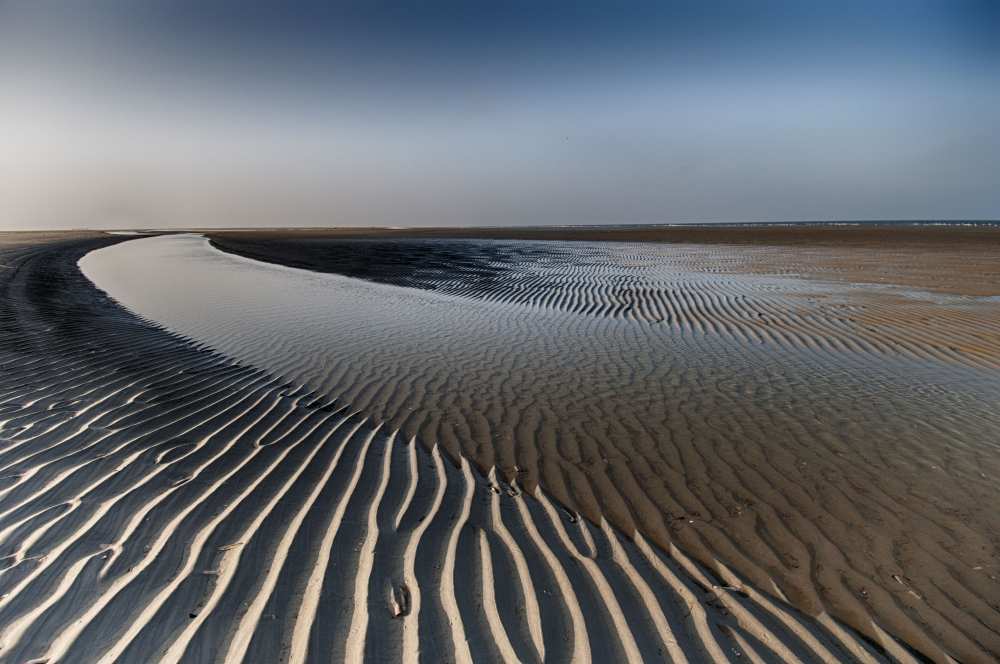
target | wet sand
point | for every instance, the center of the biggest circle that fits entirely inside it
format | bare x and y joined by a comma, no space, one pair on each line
161,501
801,431
771,462
821,531
958,259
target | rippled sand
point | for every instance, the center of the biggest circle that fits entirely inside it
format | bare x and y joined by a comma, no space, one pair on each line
160,501
831,443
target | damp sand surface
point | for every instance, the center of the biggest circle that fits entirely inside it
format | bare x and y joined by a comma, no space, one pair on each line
161,501
962,259
832,441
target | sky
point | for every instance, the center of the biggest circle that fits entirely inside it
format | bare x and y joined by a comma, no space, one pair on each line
235,113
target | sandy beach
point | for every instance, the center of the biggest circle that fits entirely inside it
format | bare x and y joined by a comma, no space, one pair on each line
520,332
632,445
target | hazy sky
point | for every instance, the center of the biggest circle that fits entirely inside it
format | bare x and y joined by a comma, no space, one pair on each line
154,113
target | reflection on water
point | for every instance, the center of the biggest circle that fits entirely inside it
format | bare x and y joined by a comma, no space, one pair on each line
741,417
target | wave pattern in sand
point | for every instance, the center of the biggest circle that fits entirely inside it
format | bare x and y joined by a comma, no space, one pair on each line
860,484
159,502
689,289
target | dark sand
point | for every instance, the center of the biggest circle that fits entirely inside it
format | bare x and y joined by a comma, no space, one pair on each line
963,260
848,456
160,502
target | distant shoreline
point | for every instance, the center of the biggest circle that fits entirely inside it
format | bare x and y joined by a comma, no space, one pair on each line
802,233
569,231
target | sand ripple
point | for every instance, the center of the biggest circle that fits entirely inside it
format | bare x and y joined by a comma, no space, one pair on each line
852,479
161,502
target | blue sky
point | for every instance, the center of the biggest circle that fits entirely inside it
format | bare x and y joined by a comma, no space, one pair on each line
225,113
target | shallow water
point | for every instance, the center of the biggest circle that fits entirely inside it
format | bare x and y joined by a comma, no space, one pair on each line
746,418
